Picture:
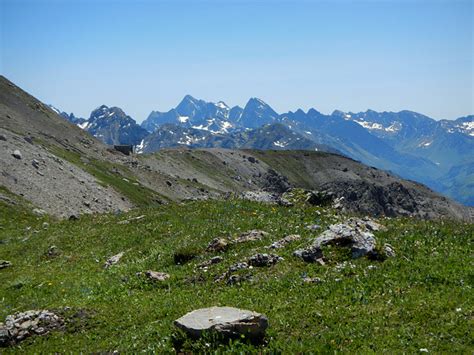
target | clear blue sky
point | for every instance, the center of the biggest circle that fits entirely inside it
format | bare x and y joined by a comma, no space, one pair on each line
146,55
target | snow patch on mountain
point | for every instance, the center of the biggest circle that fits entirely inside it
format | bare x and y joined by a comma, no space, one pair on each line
140,147
425,144
394,127
84,125
280,144
467,128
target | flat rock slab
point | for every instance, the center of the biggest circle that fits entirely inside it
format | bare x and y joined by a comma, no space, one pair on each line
227,321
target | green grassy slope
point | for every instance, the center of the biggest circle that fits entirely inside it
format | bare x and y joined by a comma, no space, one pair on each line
117,176
420,299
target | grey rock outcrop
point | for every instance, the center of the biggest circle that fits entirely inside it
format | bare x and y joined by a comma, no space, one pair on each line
20,326
355,233
211,261
228,322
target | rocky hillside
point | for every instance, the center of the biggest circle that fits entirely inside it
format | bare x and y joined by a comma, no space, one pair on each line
63,171
355,186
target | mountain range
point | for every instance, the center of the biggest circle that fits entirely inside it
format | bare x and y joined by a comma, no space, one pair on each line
409,144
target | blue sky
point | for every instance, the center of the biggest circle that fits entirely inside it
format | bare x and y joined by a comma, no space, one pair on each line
146,55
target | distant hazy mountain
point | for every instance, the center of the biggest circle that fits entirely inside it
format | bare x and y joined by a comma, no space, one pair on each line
414,146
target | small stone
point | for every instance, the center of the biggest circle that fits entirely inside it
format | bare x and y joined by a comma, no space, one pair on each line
251,236
285,203
218,244
45,225
313,227
26,325
28,139
156,276
17,154
238,266
39,212
4,336
314,280
113,260
310,255
73,217
40,330
389,250
320,261
212,261
4,264
283,242
35,163
260,260
53,251
3,138
235,279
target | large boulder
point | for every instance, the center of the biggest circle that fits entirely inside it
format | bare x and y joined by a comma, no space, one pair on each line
227,322
354,233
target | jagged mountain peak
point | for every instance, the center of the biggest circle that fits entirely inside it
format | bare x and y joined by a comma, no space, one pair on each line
256,102
222,105
104,112
313,112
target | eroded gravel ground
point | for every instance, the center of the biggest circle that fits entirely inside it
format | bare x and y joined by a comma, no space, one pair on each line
51,183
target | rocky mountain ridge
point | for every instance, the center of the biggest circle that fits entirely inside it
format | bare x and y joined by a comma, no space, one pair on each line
412,145
180,174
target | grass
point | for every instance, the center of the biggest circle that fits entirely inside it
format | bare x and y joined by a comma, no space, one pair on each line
420,299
